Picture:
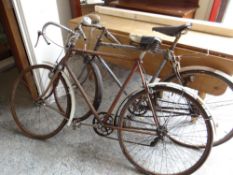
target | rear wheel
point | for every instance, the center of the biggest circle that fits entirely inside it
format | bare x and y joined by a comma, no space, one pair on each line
40,116
216,89
179,145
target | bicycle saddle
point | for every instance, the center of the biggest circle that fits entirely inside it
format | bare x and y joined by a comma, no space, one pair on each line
91,19
94,18
172,30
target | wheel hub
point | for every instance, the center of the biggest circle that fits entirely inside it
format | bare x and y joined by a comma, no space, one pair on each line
39,102
161,132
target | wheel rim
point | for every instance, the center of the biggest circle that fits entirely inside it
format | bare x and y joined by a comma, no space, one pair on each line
162,155
39,117
220,104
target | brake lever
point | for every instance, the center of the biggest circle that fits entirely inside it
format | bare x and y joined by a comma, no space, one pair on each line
39,34
82,33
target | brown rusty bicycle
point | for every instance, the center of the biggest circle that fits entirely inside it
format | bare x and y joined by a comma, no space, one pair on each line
162,128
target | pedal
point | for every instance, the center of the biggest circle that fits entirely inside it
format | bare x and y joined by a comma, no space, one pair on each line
76,125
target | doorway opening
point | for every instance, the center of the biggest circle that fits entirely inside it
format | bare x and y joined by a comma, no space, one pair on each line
11,39
6,59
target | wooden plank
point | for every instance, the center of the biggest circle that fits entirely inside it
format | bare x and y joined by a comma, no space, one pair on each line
196,41
198,25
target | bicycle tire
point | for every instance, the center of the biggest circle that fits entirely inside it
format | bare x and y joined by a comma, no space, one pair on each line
223,123
141,150
40,117
88,73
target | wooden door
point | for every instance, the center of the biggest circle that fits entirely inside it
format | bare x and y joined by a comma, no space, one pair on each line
75,8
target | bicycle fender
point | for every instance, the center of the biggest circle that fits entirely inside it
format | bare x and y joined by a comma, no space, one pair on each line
182,88
71,92
207,69
73,100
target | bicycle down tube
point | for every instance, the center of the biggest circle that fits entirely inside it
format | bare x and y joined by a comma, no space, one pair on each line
136,66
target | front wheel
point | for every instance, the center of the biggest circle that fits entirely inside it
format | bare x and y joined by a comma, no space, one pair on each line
177,144
40,115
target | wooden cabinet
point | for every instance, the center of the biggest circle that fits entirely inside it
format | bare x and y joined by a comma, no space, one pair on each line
178,8
191,46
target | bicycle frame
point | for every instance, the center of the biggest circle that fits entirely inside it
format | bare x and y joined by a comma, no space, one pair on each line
137,66
141,113
62,66
70,47
168,55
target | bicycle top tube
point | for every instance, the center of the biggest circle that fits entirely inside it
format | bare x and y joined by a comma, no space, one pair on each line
99,53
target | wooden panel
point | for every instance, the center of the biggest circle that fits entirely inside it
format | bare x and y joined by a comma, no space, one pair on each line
211,85
75,8
180,8
194,41
122,27
197,25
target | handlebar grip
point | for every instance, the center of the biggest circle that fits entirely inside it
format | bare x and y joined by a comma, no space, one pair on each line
42,33
47,42
82,33
39,34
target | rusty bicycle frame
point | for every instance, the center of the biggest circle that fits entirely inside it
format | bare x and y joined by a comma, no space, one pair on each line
137,66
62,71
71,50
62,65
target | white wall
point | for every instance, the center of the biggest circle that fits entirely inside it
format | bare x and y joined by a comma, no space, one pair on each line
204,10
94,1
32,15
227,20
64,13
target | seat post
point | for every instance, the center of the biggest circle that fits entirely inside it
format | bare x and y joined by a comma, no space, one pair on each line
142,55
175,42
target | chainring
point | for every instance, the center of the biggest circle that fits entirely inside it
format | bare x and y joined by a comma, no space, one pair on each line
99,128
